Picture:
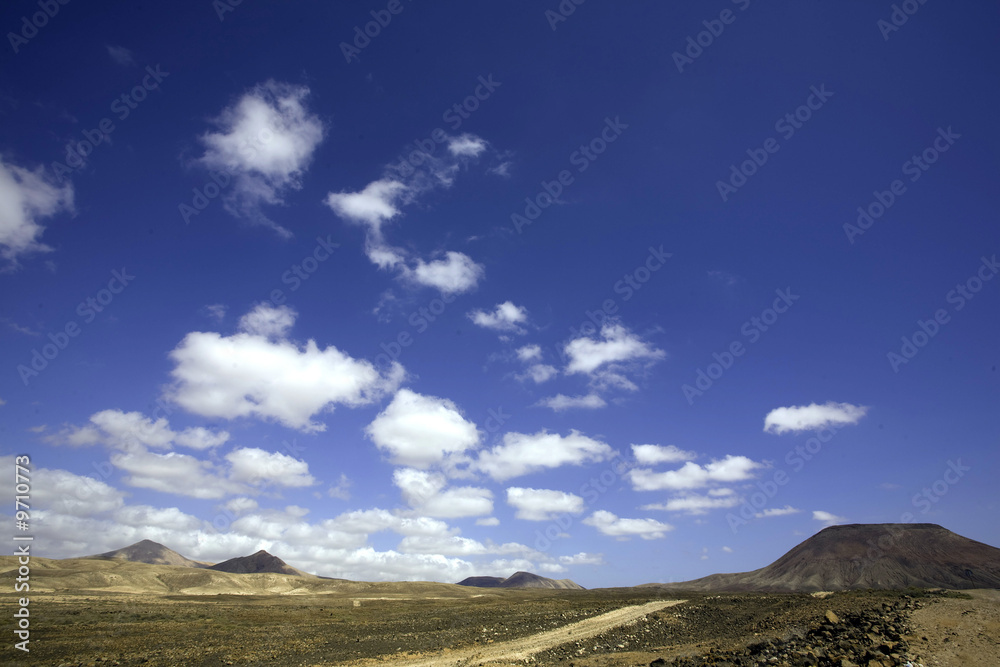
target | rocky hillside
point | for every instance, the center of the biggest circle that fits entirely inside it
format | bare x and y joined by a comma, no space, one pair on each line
521,580
858,556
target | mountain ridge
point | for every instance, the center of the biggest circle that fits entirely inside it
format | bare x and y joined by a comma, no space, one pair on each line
867,556
521,580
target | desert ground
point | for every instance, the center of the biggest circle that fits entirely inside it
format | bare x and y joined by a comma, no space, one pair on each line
442,624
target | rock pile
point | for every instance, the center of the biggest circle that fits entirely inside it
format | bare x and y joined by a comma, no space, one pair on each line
871,638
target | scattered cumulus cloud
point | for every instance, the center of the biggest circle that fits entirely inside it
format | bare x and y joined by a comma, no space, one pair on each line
653,454
616,344
542,504
613,526
539,373
426,493
777,511
695,504
423,431
561,402
692,475
26,197
505,317
529,353
259,373
383,200
523,453
828,518
812,417
265,142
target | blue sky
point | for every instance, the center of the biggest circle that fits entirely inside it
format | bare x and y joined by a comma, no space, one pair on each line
620,294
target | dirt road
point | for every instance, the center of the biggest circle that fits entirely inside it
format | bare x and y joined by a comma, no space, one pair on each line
518,649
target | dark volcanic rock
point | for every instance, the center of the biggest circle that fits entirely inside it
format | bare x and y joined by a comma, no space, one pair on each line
521,580
258,562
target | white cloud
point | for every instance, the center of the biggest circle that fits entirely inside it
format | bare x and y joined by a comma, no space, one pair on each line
539,373
542,504
25,198
728,550
425,492
586,355
488,521
467,145
693,476
609,524
265,141
373,205
812,417
342,489
268,321
131,430
217,311
529,353
174,473
505,317
523,453
582,558
201,438
454,274
250,375
695,504
255,466
653,454
240,505
382,200
777,511
120,55
561,402
422,431
828,518
608,359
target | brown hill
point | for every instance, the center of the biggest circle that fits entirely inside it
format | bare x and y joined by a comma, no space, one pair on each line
260,562
521,580
858,556
148,551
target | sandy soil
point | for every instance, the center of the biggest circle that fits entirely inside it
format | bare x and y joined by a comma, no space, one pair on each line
516,651
949,631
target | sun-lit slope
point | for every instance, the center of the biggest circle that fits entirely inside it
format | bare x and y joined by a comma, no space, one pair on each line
857,556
